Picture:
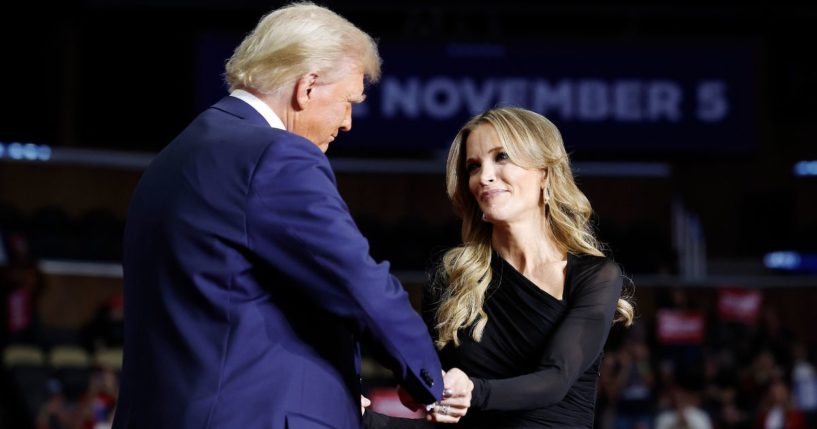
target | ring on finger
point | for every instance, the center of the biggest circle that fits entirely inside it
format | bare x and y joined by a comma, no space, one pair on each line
444,410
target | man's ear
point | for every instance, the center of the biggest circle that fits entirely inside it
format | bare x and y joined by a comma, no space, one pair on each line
303,90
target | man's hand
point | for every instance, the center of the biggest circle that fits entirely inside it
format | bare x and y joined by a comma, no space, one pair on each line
364,403
456,398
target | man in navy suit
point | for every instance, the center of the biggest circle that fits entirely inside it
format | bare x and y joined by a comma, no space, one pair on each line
247,283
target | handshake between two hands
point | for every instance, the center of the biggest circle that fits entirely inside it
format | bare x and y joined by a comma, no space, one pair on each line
454,404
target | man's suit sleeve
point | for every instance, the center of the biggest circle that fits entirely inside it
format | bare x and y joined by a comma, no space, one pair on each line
298,223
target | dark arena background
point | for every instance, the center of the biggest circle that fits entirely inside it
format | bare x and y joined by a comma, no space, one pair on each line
691,127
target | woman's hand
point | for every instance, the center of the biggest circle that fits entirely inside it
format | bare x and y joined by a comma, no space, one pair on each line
456,398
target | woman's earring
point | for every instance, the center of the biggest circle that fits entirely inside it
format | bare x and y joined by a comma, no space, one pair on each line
484,219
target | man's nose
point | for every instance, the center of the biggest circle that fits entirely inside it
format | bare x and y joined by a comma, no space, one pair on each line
346,125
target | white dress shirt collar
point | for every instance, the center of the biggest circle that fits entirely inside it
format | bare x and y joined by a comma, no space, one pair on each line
262,108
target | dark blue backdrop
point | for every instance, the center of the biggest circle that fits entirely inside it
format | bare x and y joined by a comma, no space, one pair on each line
605,98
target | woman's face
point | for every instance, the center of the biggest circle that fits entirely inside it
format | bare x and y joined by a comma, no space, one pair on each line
505,192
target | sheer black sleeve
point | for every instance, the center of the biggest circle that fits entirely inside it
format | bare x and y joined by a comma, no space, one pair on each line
574,347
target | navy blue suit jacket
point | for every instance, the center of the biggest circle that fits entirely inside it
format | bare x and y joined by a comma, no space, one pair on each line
248,285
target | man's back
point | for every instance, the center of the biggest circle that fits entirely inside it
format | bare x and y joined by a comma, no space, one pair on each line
234,315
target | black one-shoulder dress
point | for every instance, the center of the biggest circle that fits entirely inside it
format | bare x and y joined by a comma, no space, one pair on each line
537,364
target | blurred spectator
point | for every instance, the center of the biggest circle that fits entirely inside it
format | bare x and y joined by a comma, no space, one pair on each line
729,415
102,393
771,335
720,394
62,411
21,283
10,222
106,329
758,377
680,333
90,408
804,384
635,380
777,410
608,393
683,412
736,322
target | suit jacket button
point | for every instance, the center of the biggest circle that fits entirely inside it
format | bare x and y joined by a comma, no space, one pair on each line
426,377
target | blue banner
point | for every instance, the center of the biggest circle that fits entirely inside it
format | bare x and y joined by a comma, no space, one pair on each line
606,99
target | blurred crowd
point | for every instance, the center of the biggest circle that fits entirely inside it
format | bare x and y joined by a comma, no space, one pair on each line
725,370
53,378
727,364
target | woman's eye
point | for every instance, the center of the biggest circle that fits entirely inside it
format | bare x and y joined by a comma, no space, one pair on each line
502,156
471,167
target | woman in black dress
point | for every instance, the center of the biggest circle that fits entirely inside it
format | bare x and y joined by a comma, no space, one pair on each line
525,304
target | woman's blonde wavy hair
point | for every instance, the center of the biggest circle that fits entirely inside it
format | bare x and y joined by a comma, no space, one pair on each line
531,141
297,39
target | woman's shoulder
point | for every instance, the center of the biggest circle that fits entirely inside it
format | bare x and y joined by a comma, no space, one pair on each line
588,269
587,262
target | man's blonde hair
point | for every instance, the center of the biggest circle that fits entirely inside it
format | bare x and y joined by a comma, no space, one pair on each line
295,40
